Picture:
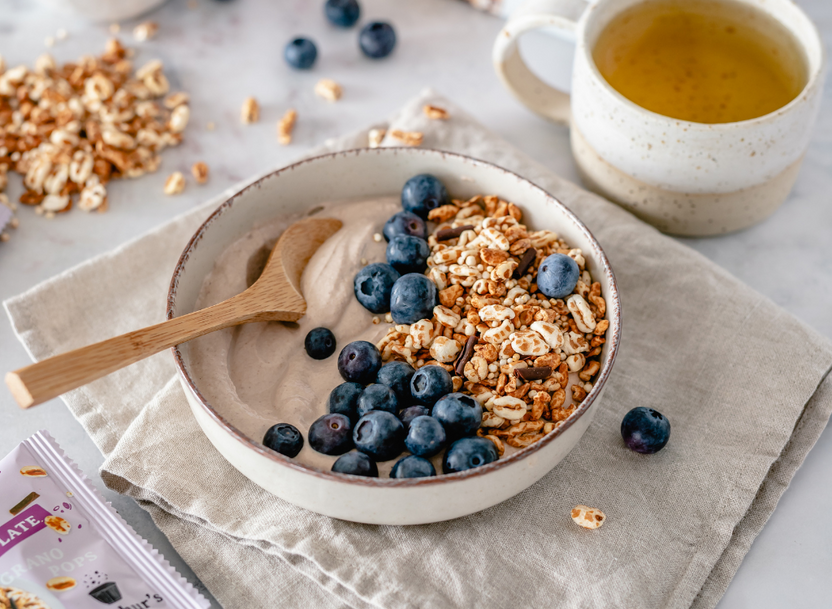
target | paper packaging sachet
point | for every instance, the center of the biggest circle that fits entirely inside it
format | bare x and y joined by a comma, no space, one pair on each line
62,546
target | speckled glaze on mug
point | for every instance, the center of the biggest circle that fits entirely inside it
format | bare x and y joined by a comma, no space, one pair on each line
684,178
370,173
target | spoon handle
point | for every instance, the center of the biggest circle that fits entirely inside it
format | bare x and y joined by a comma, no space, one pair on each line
52,377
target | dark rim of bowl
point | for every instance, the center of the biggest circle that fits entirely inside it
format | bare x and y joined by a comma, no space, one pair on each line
613,314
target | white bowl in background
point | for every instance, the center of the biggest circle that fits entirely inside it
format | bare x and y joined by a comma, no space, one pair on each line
372,173
107,10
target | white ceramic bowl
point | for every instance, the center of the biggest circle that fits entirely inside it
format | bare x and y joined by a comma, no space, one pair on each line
373,173
107,10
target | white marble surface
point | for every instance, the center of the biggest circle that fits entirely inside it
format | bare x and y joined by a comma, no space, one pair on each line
222,52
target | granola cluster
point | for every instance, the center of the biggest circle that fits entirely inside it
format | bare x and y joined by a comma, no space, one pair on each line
505,343
70,129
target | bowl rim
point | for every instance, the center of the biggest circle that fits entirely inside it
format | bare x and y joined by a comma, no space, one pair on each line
613,313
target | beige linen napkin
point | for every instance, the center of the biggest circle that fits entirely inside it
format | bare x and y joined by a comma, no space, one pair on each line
743,383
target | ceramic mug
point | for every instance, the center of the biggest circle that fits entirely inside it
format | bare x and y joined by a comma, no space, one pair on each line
684,178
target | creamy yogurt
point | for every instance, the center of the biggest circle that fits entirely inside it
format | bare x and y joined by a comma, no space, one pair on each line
259,374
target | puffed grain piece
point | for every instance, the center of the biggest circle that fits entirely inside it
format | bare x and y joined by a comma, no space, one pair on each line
587,517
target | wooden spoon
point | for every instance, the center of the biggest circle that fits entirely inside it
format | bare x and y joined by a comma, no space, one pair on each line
275,296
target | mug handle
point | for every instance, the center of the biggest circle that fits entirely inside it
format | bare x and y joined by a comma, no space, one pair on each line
561,16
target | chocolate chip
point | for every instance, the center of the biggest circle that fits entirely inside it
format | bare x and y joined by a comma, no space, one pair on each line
525,260
452,233
467,353
534,374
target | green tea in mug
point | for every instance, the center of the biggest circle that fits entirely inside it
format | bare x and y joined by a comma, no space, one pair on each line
706,61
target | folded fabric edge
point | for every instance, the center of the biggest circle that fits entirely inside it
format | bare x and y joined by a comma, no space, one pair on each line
807,431
157,507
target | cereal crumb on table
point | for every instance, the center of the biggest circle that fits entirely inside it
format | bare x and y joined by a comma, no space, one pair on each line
587,517
408,138
328,89
375,137
115,28
435,112
145,31
285,126
250,112
200,172
377,237
175,183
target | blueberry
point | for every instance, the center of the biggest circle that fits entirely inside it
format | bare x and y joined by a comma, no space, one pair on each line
331,434
413,298
344,400
429,384
343,13
377,39
425,437
319,343
397,375
467,453
378,397
380,435
284,438
405,223
411,412
359,362
412,467
423,193
460,415
357,464
373,285
300,53
645,430
408,254
557,276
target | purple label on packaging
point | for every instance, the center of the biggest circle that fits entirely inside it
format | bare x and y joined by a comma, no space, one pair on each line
24,525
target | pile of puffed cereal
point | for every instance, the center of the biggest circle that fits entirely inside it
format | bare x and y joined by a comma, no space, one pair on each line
505,343
70,129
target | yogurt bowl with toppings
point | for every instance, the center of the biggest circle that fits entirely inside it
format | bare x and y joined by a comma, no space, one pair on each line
512,374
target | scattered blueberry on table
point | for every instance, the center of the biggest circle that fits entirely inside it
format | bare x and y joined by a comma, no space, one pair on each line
459,414
284,439
412,298
373,286
411,412
645,430
377,397
344,400
357,464
397,375
422,193
300,53
412,467
557,276
359,362
468,453
343,13
377,39
319,343
331,434
429,384
380,435
425,436
405,223
408,254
